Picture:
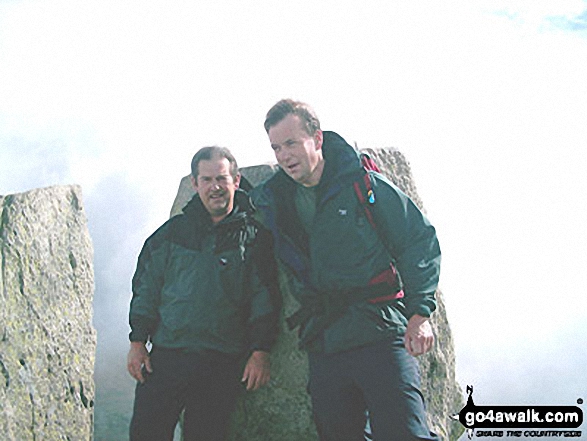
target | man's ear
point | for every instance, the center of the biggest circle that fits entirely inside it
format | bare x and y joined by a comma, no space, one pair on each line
237,180
194,183
318,139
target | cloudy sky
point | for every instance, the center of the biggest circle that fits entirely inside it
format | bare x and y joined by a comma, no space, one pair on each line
487,99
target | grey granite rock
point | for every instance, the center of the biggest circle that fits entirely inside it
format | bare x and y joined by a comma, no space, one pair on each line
282,411
47,342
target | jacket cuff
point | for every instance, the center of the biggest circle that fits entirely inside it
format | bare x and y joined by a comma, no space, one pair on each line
138,335
423,305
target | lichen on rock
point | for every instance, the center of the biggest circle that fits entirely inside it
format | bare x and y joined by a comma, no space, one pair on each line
47,342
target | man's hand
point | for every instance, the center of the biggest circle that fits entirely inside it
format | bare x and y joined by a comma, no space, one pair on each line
419,336
257,370
137,357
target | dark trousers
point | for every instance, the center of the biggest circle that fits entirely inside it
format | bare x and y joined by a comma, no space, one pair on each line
382,379
205,385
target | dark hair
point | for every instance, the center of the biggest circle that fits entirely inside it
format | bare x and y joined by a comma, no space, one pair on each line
290,107
207,153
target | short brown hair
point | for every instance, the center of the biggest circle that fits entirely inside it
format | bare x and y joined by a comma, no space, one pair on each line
291,107
207,153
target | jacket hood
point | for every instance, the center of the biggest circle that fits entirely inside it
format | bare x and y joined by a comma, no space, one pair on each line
340,158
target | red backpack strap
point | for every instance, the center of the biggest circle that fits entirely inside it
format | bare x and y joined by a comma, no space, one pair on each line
366,196
368,163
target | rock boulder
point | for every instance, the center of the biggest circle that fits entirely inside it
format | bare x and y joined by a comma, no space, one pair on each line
47,342
282,411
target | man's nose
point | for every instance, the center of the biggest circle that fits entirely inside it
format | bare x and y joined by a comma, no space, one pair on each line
282,156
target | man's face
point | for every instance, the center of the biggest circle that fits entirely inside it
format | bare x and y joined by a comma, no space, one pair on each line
298,153
216,186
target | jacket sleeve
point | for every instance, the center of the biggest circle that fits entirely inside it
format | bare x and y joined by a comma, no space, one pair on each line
266,299
146,288
412,241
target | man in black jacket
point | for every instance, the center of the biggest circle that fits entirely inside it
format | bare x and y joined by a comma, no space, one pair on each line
204,295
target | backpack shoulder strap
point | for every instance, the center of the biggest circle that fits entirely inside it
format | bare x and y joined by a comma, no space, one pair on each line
368,163
366,195
364,191
364,187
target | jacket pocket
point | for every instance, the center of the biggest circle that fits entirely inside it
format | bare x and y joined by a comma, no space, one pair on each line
232,275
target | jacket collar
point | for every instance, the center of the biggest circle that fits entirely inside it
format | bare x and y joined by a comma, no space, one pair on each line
196,211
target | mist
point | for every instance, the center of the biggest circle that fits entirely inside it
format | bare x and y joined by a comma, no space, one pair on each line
487,100
116,219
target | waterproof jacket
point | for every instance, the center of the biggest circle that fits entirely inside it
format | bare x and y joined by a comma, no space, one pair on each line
343,252
202,286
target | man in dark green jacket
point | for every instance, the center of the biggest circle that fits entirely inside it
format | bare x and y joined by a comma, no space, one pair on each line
360,324
204,294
